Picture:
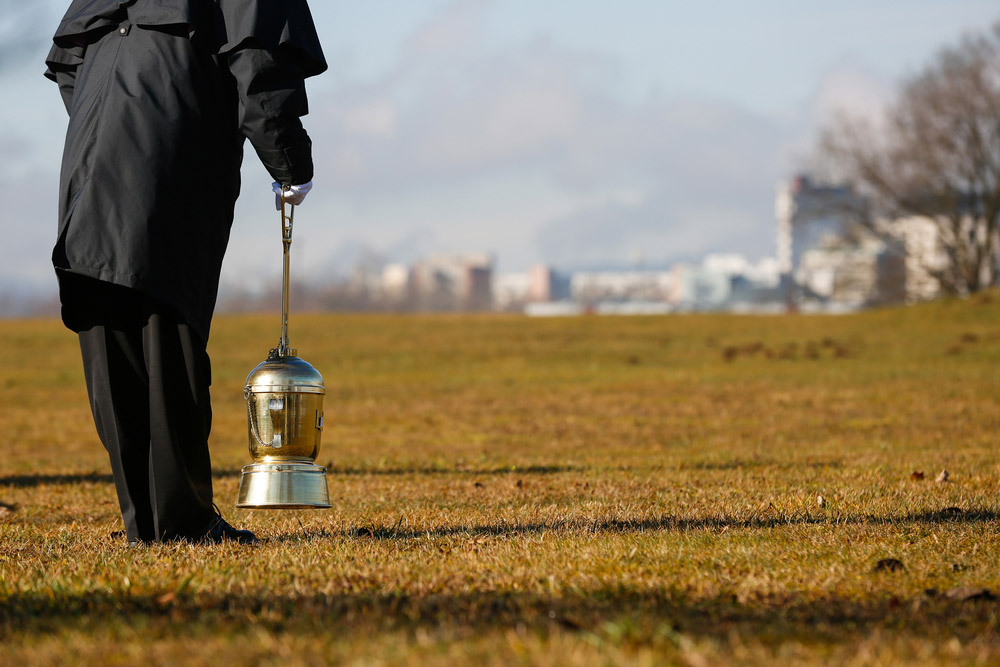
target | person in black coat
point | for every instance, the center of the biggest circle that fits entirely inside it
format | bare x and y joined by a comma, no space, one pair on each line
161,95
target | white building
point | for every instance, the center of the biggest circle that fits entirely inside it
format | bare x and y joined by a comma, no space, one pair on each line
593,287
726,281
921,243
699,288
396,280
453,282
807,214
510,290
848,274
825,253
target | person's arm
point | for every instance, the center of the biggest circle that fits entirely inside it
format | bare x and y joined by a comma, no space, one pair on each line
272,97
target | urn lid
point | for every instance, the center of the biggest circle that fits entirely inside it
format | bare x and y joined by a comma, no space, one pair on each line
285,374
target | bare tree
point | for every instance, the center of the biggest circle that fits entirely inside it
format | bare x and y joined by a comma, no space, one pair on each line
935,155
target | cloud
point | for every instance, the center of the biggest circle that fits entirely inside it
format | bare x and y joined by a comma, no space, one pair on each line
525,148
448,32
469,116
454,114
853,89
847,88
25,32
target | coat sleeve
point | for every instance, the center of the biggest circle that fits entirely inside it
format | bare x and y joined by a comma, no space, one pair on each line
271,24
61,67
67,84
272,97
270,47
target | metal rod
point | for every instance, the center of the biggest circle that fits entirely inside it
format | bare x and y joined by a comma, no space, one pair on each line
286,242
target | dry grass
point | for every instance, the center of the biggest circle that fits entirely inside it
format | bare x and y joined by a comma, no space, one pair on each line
566,491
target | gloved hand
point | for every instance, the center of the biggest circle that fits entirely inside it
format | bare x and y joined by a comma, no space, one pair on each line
294,195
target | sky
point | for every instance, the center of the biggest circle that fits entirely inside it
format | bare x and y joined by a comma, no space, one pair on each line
577,133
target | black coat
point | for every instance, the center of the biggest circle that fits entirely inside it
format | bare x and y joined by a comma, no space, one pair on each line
161,95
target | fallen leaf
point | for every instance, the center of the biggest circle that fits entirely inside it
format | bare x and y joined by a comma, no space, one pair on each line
166,598
942,477
967,593
889,565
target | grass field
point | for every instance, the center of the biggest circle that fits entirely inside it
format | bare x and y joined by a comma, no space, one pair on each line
595,490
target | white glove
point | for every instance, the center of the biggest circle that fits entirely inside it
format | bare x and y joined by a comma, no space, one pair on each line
294,195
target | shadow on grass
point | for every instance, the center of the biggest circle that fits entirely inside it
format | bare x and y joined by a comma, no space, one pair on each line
613,615
632,526
432,470
41,479
740,464
45,479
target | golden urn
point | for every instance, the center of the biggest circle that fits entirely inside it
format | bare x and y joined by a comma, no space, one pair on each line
284,398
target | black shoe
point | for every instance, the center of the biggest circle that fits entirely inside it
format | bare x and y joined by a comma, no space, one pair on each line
219,530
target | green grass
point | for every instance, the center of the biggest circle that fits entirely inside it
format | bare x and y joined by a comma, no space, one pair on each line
595,490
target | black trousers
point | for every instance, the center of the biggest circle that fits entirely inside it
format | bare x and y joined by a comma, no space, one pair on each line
148,376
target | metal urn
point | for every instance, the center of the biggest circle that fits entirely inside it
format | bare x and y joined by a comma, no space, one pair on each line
284,397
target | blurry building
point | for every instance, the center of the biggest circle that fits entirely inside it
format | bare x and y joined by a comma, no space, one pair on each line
395,286
845,273
727,263
828,258
924,256
695,287
809,214
540,284
554,309
726,282
453,282
596,287
510,290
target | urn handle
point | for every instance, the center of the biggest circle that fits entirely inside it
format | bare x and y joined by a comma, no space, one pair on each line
251,399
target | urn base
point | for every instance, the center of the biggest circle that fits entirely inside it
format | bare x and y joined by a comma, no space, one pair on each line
283,485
